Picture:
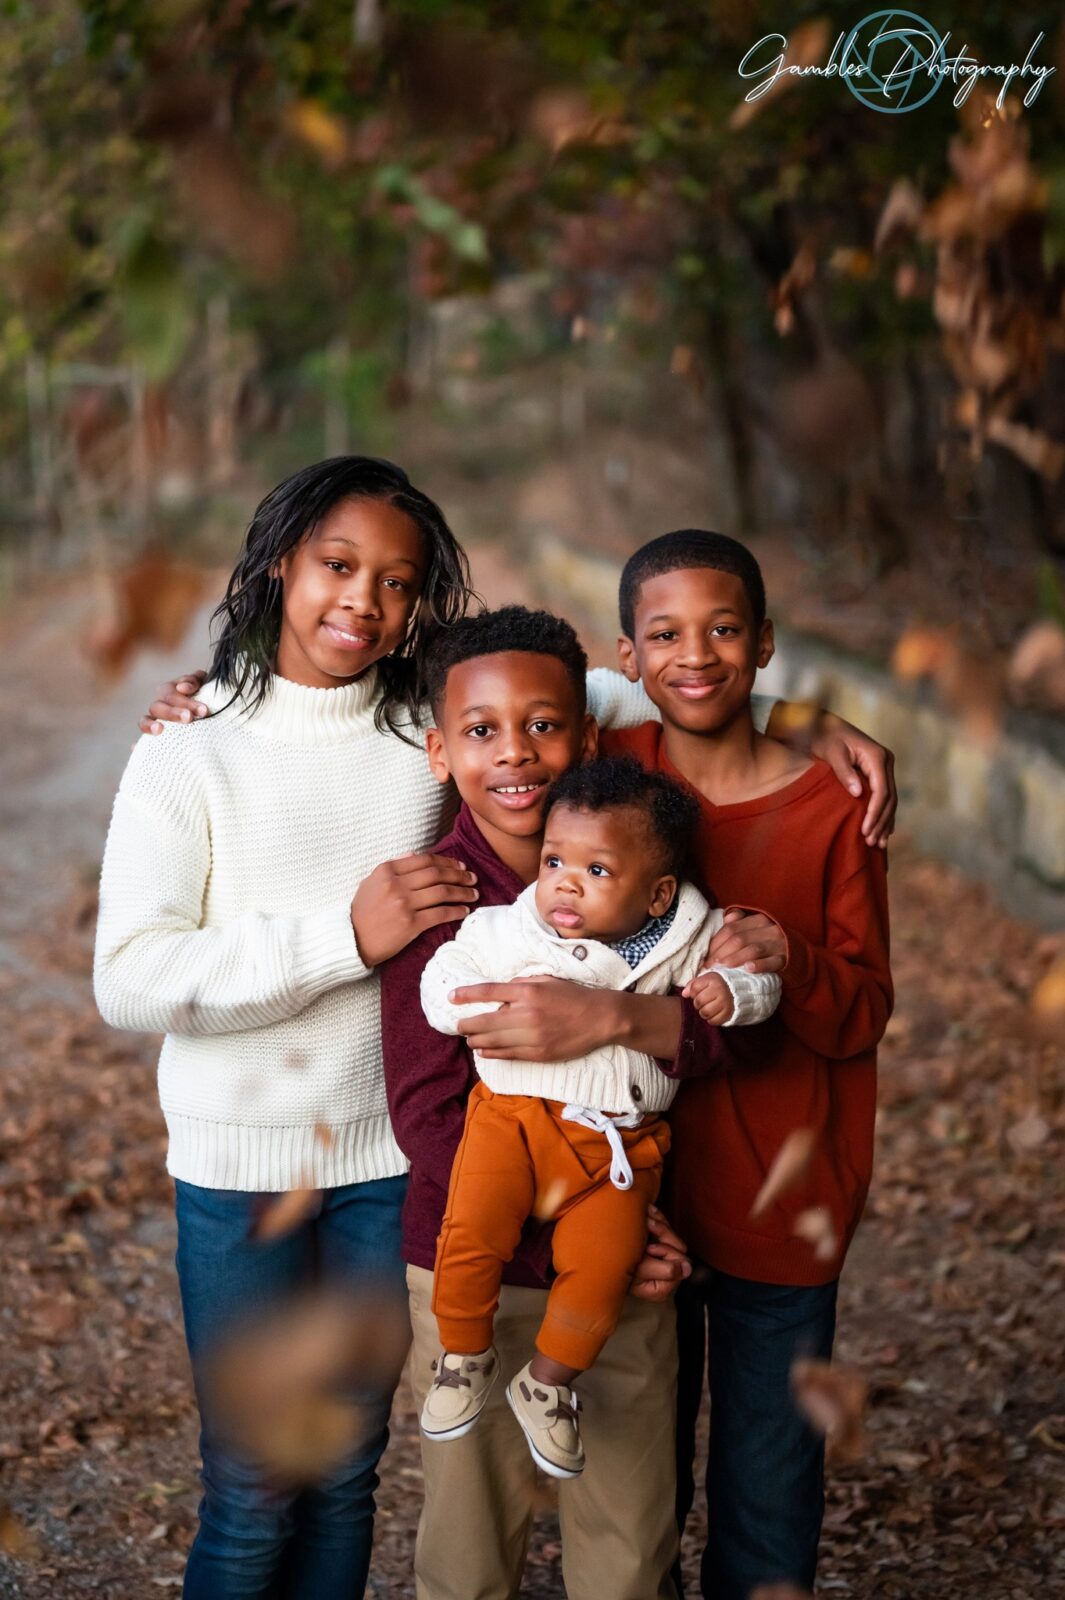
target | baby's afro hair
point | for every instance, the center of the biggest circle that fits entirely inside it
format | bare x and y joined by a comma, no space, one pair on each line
670,811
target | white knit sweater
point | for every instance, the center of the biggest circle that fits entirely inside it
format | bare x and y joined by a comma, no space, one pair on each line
235,848
499,943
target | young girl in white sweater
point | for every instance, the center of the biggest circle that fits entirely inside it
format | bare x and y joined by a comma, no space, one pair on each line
243,908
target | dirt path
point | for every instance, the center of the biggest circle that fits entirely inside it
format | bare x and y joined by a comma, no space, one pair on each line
953,1302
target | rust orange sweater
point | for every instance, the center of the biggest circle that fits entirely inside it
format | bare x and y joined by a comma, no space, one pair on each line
798,855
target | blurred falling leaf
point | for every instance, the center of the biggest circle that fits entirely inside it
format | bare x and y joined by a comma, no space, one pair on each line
561,117
832,1398
1037,666
151,602
816,1227
900,216
324,132
793,717
547,1202
970,682
293,1390
847,262
789,1168
1032,1131
798,277
15,1538
1048,998
807,47
285,1214
1030,445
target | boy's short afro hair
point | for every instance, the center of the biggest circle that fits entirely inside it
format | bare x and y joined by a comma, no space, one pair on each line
672,812
508,628
689,547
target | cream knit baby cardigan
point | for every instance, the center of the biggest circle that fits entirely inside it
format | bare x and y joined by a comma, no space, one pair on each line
500,943
234,851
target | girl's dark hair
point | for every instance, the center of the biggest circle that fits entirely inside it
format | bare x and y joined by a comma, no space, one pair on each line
670,812
250,614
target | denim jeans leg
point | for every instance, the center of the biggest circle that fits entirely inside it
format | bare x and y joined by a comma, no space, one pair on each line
690,1300
357,1242
226,1277
765,1474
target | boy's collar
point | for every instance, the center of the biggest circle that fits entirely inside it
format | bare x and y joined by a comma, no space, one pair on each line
476,847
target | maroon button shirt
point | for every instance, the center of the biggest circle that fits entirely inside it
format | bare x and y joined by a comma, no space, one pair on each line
429,1075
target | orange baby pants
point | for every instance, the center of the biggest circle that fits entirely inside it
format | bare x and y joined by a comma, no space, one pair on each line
518,1158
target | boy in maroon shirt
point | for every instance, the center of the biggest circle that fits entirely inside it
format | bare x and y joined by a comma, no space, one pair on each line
508,697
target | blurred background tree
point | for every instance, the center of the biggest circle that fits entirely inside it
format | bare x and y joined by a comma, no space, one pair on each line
239,234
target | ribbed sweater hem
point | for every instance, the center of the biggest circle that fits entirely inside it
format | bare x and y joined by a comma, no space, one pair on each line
787,1262
227,1155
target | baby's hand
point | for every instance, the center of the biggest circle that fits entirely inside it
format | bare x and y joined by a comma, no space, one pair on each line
712,997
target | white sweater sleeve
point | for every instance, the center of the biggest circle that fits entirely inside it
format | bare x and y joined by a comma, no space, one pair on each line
158,970
614,702
474,955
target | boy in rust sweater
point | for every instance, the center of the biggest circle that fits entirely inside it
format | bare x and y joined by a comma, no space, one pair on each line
779,831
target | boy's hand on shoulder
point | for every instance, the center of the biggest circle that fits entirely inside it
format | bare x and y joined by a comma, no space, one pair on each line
748,939
401,899
853,755
665,1261
712,998
175,703
539,1019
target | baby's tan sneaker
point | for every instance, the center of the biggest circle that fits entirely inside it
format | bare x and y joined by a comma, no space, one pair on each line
548,1416
457,1397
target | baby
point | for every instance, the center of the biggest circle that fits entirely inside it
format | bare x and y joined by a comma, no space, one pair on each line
581,1142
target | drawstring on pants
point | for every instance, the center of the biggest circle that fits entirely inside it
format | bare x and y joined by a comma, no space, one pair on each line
601,1122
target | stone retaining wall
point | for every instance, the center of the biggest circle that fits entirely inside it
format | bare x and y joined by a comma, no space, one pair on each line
997,812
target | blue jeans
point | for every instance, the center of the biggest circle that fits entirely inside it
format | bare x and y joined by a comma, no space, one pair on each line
257,1541
765,1472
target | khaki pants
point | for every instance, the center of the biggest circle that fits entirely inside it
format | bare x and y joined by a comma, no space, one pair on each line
618,1519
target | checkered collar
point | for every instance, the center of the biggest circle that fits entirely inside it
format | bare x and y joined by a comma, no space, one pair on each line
635,946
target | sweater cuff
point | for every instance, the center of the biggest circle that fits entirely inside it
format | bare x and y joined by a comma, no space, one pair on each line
748,993
325,953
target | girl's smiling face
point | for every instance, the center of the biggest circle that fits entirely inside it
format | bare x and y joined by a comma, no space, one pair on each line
350,590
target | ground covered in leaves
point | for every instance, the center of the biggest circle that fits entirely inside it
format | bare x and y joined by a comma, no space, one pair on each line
954,1295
